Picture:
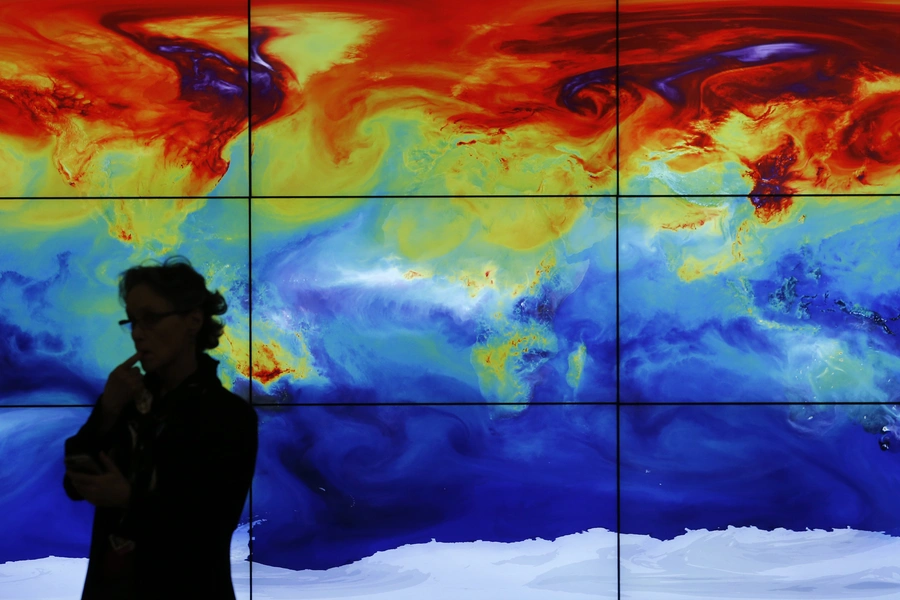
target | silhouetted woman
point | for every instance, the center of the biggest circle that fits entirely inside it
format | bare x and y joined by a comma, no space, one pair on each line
177,451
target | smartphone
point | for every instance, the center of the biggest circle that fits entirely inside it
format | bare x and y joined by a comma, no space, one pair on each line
83,463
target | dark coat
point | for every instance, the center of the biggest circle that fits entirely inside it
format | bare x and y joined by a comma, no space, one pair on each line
191,460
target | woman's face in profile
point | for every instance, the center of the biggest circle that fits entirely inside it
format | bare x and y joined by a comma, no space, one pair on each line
159,337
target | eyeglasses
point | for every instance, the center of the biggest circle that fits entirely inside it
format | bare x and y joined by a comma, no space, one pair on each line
149,320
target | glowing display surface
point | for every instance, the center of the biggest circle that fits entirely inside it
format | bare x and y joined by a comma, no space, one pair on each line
507,305
436,98
433,301
725,301
376,317
768,98
124,98
465,389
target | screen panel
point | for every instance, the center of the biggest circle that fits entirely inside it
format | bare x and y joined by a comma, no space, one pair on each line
769,98
733,288
756,502
46,535
736,300
497,300
41,525
410,502
116,98
449,97
60,262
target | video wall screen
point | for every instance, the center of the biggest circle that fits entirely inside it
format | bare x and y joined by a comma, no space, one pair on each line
534,300
124,98
437,98
762,99
417,430
344,98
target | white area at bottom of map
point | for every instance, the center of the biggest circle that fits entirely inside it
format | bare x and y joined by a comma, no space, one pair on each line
745,563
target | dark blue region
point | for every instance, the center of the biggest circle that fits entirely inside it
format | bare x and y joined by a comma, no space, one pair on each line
772,173
377,477
27,365
756,54
207,74
866,314
663,362
263,80
386,386
265,84
800,289
203,70
598,380
711,467
540,307
39,361
571,87
39,520
765,53
586,316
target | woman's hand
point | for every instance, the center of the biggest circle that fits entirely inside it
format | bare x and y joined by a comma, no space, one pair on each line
111,489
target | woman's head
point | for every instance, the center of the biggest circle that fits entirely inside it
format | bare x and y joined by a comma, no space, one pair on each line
171,311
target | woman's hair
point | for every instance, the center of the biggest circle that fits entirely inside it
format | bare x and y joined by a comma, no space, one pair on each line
178,282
